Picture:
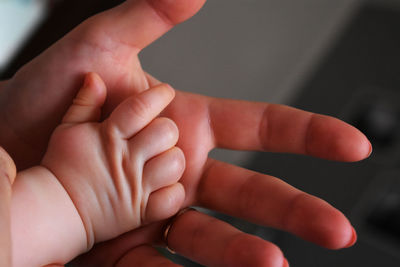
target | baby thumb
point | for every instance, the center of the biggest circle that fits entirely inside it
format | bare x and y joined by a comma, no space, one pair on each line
86,106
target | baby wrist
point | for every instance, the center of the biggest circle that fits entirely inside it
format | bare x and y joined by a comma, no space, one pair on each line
45,225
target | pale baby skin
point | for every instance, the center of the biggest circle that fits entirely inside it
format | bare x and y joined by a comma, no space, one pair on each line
98,180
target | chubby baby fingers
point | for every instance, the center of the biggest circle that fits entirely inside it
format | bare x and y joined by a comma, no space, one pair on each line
139,110
160,135
164,203
164,169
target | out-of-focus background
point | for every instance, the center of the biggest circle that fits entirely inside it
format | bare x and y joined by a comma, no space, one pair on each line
339,58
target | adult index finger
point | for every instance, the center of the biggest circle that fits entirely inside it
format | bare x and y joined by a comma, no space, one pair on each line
244,125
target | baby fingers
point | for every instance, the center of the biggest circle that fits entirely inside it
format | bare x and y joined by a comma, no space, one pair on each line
159,136
164,203
139,110
164,169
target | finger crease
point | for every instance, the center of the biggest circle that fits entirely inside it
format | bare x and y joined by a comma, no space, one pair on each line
161,14
246,196
201,188
231,247
198,234
264,130
307,136
286,220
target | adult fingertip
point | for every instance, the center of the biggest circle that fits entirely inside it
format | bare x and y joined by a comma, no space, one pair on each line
353,147
370,149
338,231
176,11
322,224
353,238
334,139
285,263
362,149
343,236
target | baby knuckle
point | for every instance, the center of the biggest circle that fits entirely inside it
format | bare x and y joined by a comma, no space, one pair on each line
168,126
109,131
139,107
179,160
175,165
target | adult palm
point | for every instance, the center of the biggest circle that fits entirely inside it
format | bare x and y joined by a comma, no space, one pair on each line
108,44
34,100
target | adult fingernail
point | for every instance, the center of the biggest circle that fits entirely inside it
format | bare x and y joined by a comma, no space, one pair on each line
370,150
285,263
353,238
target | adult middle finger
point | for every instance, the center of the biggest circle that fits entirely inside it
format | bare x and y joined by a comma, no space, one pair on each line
269,201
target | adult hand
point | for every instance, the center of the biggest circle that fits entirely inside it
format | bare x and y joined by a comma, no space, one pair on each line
33,102
206,123
7,176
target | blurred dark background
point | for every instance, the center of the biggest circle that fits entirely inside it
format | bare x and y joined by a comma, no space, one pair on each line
339,58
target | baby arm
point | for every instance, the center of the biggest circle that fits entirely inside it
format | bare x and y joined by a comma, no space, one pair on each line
98,180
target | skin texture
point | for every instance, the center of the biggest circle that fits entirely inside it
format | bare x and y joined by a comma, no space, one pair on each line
7,177
109,44
118,161
101,179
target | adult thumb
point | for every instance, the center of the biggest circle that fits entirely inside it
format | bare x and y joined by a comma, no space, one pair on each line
138,23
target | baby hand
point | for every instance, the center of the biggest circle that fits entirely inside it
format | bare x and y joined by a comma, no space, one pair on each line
123,172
